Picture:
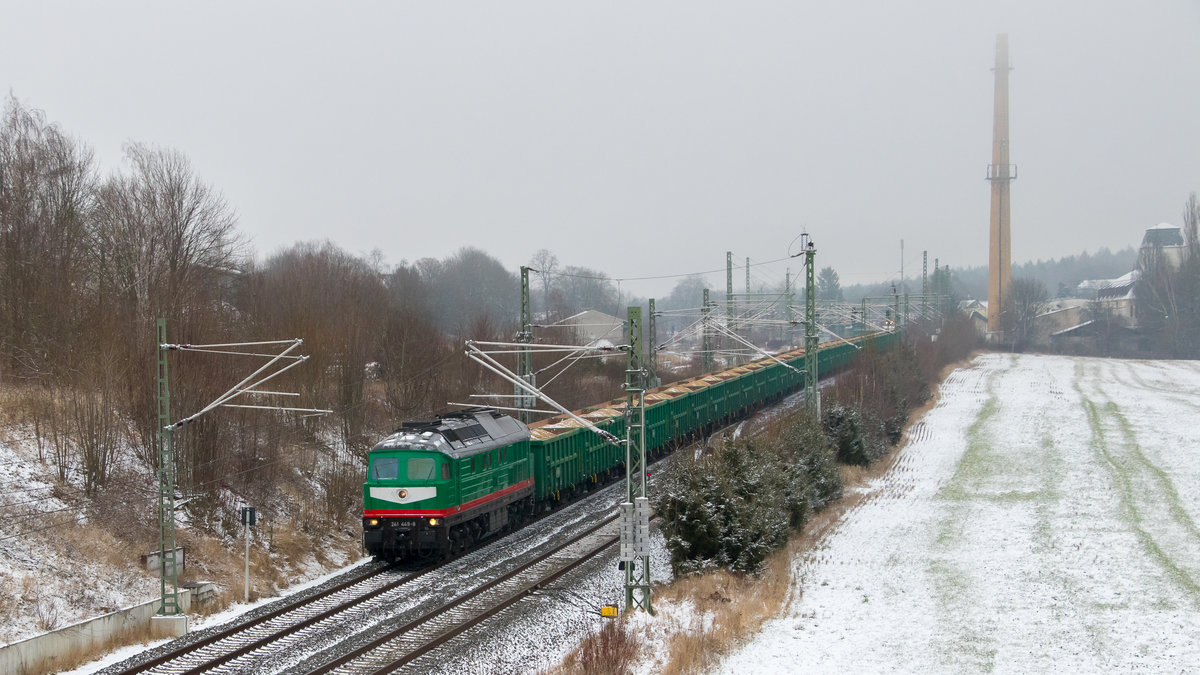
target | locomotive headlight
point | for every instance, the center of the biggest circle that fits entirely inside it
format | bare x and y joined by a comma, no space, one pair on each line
433,522
402,494
373,522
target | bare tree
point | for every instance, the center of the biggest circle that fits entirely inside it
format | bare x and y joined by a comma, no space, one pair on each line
1028,299
163,235
338,304
45,185
545,263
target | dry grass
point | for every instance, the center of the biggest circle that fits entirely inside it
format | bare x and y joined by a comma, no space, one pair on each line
612,650
728,608
80,655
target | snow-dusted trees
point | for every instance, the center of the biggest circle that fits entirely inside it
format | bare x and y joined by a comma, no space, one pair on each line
733,507
829,285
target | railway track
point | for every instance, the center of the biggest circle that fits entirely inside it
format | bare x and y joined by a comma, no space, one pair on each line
277,625
381,591
409,642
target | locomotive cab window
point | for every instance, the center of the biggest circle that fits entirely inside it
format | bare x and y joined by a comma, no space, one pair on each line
385,468
421,468
446,471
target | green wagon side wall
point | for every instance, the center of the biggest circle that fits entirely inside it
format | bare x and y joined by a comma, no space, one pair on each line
575,456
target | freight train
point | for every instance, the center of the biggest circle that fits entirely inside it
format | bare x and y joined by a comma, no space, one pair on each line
436,487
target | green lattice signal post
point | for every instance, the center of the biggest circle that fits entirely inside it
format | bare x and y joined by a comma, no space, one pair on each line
166,485
652,345
812,396
524,358
635,511
706,343
788,301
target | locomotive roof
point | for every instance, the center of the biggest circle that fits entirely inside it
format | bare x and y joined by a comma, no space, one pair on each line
458,434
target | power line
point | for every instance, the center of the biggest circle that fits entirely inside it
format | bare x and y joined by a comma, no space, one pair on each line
650,278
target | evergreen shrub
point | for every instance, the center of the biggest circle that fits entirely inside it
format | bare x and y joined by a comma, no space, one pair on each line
731,508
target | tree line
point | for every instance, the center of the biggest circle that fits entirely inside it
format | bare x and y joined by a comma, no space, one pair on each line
90,259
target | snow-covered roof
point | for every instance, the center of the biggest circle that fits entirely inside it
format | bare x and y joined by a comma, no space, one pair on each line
1103,284
1072,328
1163,234
1056,310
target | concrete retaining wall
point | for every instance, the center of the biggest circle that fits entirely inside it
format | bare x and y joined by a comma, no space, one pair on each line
41,653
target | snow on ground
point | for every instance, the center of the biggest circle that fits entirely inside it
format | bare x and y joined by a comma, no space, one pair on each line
1042,517
234,611
39,574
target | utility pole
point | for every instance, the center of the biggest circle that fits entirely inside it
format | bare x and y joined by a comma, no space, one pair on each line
895,310
706,342
788,300
166,485
901,265
812,395
524,358
937,287
652,346
747,299
947,288
924,282
729,309
635,511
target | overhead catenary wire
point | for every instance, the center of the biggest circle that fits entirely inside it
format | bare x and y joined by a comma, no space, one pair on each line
647,278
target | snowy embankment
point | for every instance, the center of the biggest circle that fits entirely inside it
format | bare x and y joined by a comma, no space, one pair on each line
1042,517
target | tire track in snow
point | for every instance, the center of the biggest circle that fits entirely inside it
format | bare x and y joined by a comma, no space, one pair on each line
1149,500
1130,376
949,578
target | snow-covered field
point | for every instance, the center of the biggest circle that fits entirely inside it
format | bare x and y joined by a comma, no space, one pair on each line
1043,517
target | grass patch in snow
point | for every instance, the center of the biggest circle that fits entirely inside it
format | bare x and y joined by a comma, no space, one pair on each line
1166,487
951,583
1122,469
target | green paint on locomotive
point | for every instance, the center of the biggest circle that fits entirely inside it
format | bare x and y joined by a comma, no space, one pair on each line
421,469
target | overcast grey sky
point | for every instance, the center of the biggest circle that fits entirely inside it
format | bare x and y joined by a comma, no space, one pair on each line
640,137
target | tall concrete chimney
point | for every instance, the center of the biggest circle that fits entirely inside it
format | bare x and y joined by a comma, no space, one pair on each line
1000,173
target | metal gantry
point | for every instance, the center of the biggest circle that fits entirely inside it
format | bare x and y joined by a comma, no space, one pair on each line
169,605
